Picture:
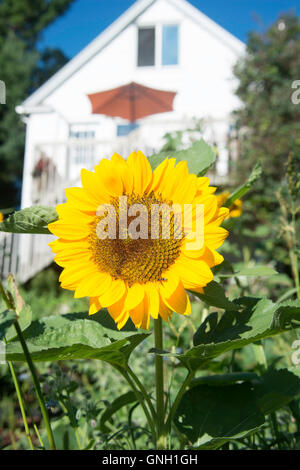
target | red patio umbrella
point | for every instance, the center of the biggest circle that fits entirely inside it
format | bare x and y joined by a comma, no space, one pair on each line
132,101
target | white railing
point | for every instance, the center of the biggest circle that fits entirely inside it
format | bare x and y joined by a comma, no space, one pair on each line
56,166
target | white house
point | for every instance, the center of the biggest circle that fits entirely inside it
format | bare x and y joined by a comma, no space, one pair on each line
163,44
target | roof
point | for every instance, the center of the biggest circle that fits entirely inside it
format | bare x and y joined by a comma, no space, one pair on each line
114,30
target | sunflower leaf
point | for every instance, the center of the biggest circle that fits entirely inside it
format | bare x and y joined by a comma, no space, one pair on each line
214,295
75,336
33,219
20,311
252,271
244,188
243,405
199,157
257,319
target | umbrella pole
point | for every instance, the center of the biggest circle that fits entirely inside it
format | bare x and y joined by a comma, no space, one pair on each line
132,107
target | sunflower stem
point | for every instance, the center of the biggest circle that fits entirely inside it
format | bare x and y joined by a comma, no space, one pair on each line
21,404
36,386
174,407
160,406
143,391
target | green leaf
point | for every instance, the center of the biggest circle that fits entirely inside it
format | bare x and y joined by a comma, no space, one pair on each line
76,336
223,379
242,406
7,319
244,188
116,405
220,412
252,271
276,389
199,157
214,296
258,319
23,311
33,219
256,271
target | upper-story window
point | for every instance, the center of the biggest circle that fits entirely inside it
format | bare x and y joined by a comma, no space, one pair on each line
146,46
169,45
158,45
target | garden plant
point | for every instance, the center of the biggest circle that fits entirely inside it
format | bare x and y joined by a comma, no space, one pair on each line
186,343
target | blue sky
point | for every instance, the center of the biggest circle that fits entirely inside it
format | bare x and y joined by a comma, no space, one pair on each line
87,18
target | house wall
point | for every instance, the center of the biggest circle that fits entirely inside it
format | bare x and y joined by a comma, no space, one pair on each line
203,81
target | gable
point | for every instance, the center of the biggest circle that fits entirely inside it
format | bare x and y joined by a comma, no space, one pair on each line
142,12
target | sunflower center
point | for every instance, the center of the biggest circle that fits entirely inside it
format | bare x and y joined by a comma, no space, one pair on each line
136,258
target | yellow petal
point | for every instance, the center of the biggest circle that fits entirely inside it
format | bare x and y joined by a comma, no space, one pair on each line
117,309
141,170
178,301
75,273
120,166
94,186
109,178
212,257
81,199
69,231
192,272
158,175
95,305
152,299
164,311
140,316
214,236
71,214
168,286
135,296
93,285
61,245
114,293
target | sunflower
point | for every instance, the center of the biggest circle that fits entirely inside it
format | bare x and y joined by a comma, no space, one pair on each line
235,209
137,277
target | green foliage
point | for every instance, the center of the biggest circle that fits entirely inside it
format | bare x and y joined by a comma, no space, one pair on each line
268,120
23,67
116,405
33,219
76,336
214,295
199,157
242,405
244,188
256,319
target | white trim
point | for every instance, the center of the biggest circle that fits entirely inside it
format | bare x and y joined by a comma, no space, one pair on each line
114,30
88,52
210,26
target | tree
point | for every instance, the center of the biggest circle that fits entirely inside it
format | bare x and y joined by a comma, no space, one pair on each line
23,68
268,128
268,122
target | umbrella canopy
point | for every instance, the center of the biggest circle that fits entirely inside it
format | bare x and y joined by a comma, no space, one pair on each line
132,101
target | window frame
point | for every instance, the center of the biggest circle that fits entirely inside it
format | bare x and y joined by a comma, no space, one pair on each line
178,44
158,44
139,27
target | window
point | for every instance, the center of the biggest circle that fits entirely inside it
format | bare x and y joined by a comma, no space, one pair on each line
170,45
146,47
125,129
